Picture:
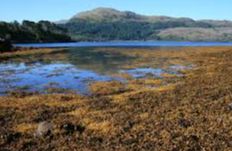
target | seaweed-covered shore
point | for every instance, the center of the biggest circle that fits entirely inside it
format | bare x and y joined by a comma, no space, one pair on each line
191,112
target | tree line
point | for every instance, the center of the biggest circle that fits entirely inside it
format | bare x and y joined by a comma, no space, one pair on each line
28,31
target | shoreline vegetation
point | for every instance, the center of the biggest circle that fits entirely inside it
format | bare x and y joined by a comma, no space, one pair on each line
189,112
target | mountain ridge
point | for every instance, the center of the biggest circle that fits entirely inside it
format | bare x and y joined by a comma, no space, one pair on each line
108,24
107,11
102,24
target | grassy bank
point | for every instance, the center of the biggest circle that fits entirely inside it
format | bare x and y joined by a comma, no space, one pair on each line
191,112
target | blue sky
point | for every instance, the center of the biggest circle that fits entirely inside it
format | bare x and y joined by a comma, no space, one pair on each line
54,10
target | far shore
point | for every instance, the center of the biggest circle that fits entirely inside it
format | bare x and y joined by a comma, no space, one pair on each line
122,44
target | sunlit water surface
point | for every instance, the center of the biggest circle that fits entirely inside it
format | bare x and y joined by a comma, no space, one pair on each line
73,69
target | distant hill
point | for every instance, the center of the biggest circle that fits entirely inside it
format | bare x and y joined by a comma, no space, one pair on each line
107,14
106,24
28,31
103,24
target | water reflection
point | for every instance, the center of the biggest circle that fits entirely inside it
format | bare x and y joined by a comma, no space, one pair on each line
97,61
72,69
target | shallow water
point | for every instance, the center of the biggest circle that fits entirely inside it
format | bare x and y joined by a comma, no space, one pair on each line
73,69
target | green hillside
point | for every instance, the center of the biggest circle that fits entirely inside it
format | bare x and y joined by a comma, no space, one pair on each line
109,24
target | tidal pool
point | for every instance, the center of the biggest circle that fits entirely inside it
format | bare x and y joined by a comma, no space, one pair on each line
72,69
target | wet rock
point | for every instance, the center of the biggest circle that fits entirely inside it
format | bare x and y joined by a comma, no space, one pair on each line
44,129
70,128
